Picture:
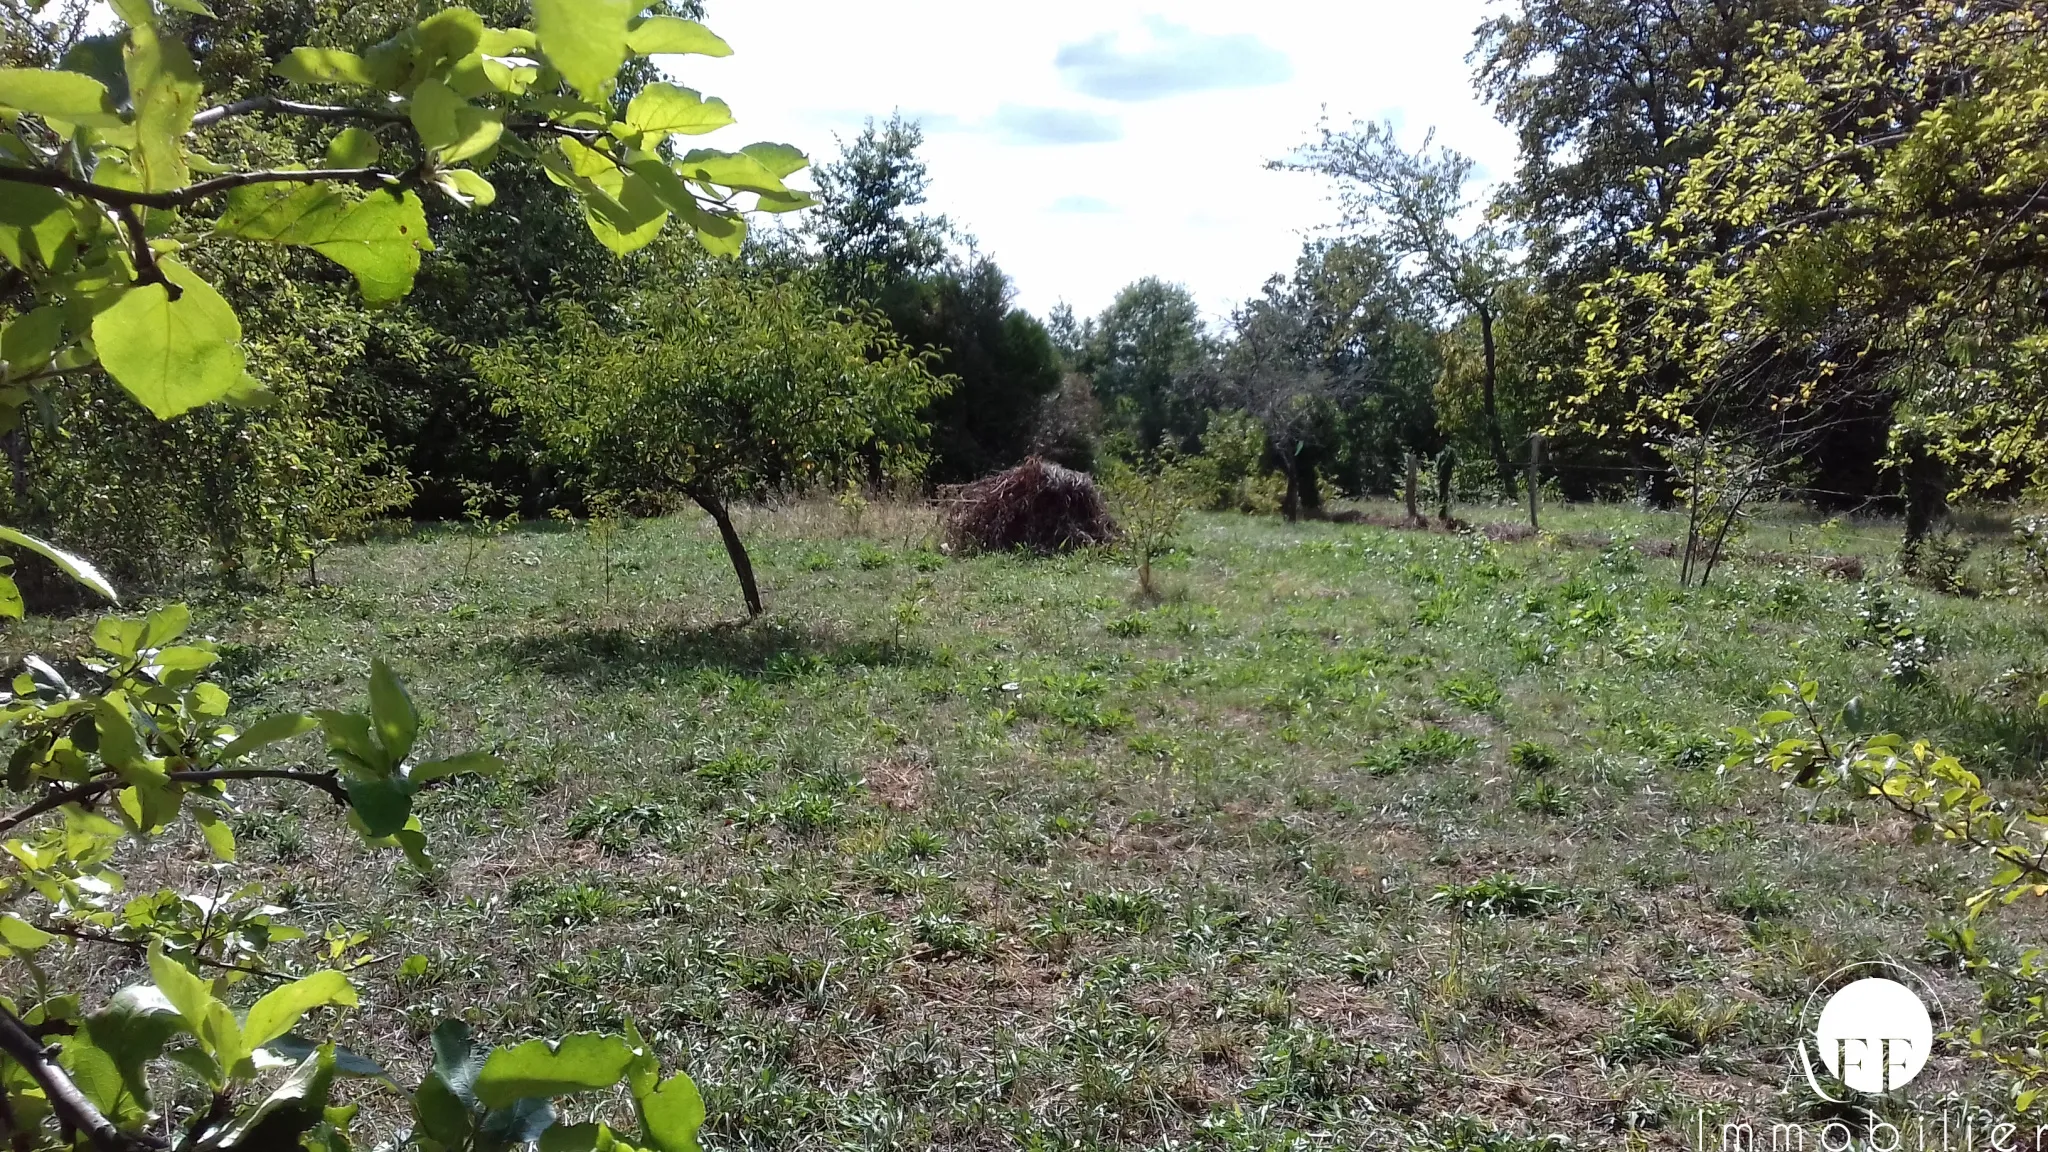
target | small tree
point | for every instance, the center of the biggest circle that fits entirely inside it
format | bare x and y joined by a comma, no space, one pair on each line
721,383
1150,499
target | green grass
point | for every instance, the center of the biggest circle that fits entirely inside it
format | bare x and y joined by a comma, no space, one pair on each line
1359,837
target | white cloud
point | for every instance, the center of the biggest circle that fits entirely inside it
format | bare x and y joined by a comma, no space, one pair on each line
1183,193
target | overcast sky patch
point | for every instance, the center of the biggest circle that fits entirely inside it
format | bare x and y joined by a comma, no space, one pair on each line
1029,124
1169,60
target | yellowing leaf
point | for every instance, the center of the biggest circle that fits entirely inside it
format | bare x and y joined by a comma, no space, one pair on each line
585,40
172,355
466,187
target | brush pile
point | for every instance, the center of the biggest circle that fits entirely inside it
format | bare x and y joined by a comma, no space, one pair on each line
1036,505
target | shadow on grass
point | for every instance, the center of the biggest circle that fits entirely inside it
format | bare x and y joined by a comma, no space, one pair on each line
615,656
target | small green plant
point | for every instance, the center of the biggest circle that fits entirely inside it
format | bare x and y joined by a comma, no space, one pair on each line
1532,757
482,525
1655,1026
1430,748
1501,894
1150,499
1546,797
607,524
1936,561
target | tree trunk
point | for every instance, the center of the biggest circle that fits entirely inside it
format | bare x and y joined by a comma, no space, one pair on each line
741,565
1501,463
1311,495
1290,505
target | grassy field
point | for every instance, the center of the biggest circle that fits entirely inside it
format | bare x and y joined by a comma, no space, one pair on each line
1359,838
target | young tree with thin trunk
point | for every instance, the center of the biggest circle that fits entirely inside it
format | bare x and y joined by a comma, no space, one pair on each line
720,383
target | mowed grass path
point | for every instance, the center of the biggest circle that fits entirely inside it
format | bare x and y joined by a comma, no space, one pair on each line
1359,839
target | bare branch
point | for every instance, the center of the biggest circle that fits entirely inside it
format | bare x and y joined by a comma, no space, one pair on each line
327,782
268,103
193,194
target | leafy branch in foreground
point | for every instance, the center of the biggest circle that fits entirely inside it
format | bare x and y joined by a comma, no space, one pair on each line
109,190
1945,802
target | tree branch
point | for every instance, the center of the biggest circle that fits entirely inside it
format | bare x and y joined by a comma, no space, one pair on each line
327,782
72,1109
268,103
192,194
142,949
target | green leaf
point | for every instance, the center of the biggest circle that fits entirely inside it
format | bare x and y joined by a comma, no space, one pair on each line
28,341
353,148
292,1046
779,159
11,606
220,838
294,1107
585,40
466,187
164,89
172,355
205,1017
660,35
76,567
267,731
18,933
72,97
666,109
518,1123
378,238
133,1028
785,202
441,1115
398,722
591,1137
381,805
34,224
164,625
467,764
453,128
280,1009
350,735
448,36
118,637
671,1115
458,1059
582,1062
730,170
325,66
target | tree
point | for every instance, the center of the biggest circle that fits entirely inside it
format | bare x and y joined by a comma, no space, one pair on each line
863,227
1000,359
1413,203
1866,215
1138,352
105,231
720,383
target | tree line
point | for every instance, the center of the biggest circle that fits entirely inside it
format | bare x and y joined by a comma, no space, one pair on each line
1788,241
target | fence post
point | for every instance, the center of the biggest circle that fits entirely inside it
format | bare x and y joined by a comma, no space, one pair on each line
1535,465
1414,467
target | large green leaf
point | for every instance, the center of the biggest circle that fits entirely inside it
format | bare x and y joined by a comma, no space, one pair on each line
28,341
453,128
382,805
68,96
658,35
730,170
172,355
280,1009
324,66
353,148
293,1107
76,567
267,731
164,87
398,722
378,238
585,40
666,109
467,764
34,224
779,159
133,1028
671,1115
582,1062
205,1016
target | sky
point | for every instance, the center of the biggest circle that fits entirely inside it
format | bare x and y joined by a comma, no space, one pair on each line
1089,143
